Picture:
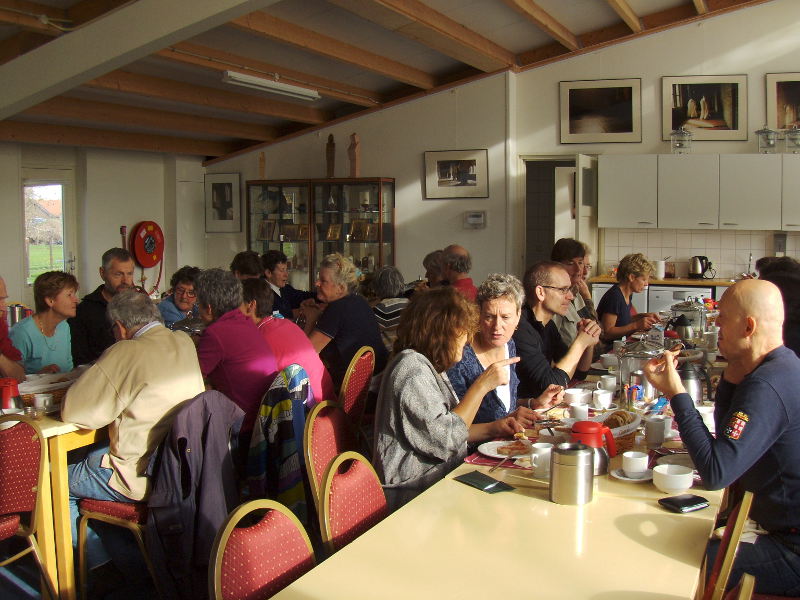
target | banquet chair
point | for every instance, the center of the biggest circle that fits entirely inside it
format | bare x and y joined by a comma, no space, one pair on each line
353,395
352,500
327,433
258,560
22,469
130,515
723,563
743,589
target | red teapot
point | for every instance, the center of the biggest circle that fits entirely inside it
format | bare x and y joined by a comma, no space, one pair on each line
9,393
591,434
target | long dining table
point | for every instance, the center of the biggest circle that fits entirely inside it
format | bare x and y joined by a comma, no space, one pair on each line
456,542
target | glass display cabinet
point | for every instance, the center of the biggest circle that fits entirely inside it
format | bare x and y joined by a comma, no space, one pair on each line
315,217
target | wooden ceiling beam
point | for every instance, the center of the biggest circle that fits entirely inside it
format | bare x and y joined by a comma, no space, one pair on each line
264,25
421,23
66,135
542,19
625,12
700,6
219,60
124,114
177,91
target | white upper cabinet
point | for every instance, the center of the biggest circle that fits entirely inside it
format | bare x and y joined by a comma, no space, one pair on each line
791,192
688,191
627,190
750,191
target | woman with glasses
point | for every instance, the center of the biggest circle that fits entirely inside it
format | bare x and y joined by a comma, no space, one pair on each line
182,302
574,256
618,317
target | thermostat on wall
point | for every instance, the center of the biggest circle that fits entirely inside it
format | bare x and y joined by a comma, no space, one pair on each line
475,219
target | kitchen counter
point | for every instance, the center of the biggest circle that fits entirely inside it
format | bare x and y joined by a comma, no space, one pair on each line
675,281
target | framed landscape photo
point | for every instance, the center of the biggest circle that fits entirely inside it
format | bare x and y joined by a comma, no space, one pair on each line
456,174
783,100
601,110
712,107
223,205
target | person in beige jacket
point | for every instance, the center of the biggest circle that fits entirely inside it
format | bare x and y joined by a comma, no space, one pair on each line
135,388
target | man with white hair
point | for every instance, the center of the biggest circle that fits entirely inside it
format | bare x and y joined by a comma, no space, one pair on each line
757,419
456,265
134,388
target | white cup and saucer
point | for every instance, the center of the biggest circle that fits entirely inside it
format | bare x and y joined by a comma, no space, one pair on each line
634,467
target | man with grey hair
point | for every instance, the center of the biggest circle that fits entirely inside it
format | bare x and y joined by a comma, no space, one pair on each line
456,265
89,328
134,388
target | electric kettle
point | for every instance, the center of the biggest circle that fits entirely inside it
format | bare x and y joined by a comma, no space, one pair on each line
591,433
698,265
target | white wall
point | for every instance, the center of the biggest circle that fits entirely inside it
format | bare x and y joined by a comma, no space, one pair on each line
11,205
392,145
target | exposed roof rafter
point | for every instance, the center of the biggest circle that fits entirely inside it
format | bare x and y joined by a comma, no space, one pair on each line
542,19
625,12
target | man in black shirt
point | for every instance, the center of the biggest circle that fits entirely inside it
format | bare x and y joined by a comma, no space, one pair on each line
757,419
545,359
90,329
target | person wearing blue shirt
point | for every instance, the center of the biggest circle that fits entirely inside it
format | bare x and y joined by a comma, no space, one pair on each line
44,338
617,316
182,302
757,419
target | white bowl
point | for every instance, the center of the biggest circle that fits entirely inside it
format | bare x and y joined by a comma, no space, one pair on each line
609,360
673,479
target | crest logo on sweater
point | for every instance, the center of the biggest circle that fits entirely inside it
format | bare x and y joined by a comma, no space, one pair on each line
735,426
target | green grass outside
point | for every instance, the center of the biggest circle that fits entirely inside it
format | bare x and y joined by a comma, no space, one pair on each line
39,260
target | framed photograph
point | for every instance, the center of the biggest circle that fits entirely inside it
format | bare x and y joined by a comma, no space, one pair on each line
456,174
302,232
712,107
372,232
783,100
334,232
601,110
266,229
223,204
289,233
358,231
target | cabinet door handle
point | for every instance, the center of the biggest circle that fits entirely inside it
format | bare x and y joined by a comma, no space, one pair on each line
704,223
730,223
644,222
792,225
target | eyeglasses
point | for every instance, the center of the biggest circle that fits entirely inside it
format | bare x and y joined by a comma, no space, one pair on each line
564,290
184,292
578,265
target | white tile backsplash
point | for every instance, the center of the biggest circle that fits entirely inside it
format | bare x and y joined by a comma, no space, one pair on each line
729,251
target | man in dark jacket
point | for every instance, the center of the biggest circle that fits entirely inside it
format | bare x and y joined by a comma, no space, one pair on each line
90,329
276,272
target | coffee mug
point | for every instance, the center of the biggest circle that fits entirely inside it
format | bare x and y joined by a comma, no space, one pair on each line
607,382
578,395
602,398
540,459
579,411
634,464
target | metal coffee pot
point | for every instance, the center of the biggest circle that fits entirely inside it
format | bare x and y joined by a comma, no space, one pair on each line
692,376
571,474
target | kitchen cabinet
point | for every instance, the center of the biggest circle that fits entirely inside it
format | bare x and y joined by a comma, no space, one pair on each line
790,196
627,190
688,191
750,191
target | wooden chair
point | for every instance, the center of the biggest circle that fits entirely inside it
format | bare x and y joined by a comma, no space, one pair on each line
130,515
327,434
22,469
353,395
743,589
352,500
257,561
723,563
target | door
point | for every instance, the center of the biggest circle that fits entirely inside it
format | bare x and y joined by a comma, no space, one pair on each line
586,202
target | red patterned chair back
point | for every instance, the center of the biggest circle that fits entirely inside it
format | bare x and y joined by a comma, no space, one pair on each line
353,500
327,434
723,563
353,395
21,465
257,561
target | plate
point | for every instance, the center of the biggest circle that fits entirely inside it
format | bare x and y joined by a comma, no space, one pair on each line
490,449
620,474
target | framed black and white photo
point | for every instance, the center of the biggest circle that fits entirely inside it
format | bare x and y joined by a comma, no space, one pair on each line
711,107
602,110
783,100
456,174
223,204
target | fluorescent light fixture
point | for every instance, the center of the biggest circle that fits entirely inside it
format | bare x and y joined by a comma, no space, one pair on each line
268,85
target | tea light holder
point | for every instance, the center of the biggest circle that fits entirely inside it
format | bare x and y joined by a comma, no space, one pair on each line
681,140
767,140
792,140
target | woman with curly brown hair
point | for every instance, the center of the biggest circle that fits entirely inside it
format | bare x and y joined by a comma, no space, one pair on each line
421,428
618,318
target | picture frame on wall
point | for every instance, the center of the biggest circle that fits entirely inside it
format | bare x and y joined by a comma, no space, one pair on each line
223,203
783,100
711,107
456,174
600,111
